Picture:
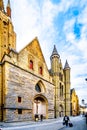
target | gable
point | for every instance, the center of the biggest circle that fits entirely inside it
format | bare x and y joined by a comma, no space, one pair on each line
35,49
33,53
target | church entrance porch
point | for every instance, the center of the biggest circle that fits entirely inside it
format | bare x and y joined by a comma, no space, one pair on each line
40,106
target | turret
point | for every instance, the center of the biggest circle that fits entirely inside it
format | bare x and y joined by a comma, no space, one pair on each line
67,88
54,60
8,9
66,66
55,64
67,73
55,53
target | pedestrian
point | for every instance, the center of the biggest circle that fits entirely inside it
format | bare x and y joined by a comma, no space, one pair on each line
36,117
86,117
41,117
66,120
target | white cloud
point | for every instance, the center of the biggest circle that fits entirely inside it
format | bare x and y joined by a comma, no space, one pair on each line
69,31
64,6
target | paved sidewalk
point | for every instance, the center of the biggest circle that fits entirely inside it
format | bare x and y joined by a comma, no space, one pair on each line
9,125
16,124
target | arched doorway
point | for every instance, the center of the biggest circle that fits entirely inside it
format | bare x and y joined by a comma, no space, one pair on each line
40,105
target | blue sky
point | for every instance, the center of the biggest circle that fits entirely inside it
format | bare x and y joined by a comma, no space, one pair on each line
59,22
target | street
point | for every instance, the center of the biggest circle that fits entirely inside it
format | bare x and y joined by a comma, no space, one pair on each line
78,124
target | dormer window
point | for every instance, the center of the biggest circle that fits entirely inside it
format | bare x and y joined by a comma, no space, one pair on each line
31,64
40,70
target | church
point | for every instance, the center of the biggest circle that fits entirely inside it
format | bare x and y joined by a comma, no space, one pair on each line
27,87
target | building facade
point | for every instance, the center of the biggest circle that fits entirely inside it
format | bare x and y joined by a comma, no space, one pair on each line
74,103
27,87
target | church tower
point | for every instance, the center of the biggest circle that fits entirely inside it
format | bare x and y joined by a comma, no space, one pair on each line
7,34
61,80
55,59
7,41
67,88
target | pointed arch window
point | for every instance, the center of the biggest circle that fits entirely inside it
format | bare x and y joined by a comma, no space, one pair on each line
61,90
60,76
38,88
40,70
31,64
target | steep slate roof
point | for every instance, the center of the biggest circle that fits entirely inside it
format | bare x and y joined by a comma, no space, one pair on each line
66,65
8,4
55,52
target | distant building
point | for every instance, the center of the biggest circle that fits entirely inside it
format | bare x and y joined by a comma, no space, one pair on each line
74,103
83,107
27,87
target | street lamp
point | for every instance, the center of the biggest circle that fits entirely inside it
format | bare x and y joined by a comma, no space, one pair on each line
85,104
83,101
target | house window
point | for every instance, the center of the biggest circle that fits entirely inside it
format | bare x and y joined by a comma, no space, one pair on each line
19,99
40,70
19,111
31,64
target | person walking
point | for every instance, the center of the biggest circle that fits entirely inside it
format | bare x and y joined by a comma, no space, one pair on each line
41,117
86,118
66,120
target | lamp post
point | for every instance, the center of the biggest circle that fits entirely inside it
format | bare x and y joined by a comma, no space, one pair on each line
86,103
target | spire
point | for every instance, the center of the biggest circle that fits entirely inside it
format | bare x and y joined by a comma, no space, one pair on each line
9,9
1,5
8,4
66,65
55,52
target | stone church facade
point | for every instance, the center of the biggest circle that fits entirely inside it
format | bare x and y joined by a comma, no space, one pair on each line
27,87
